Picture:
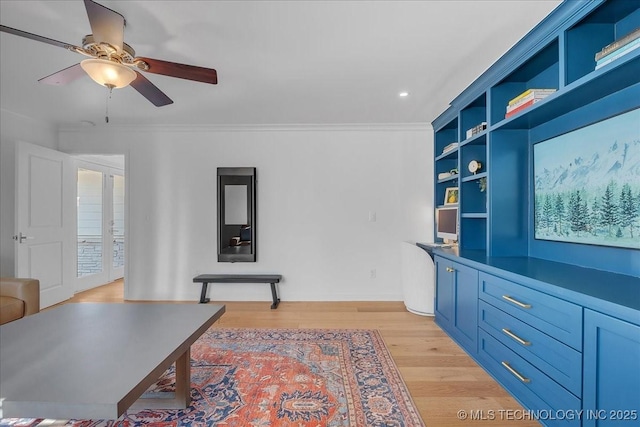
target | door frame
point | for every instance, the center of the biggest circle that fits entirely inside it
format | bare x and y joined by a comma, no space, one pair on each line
90,157
107,274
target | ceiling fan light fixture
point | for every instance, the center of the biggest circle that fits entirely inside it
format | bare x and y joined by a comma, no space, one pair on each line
108,73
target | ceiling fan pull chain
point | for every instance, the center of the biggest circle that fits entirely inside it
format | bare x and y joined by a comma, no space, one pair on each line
106,117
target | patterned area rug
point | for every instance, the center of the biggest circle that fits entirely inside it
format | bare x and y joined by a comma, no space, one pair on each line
280,377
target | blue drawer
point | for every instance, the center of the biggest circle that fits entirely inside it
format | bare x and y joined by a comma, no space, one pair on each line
560,362
536,391
557,318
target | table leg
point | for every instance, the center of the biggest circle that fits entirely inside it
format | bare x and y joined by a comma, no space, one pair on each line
183,379
180,399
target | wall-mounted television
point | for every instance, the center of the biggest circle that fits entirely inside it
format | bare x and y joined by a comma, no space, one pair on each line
587,184
447,223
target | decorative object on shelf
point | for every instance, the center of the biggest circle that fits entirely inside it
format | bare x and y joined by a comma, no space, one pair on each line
445,175
450,147
476,129
451,196
526,99
586,182
482,184
474,166
618,48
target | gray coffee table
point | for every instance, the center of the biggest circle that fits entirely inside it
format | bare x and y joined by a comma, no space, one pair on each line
93,361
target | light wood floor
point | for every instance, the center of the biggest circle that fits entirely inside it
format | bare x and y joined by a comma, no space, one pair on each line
441,378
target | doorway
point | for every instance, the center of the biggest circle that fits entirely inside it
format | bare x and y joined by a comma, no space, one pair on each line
100,208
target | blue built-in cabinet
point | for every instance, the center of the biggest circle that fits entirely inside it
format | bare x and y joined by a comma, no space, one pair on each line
456,303
612,374
564,340
557,324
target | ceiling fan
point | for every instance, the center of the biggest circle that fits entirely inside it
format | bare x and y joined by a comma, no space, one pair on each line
112,62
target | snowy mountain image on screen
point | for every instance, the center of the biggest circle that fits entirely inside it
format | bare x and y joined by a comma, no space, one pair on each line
587,184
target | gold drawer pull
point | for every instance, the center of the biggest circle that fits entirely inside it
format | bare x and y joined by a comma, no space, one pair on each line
516,302
516,373
515,337
451,269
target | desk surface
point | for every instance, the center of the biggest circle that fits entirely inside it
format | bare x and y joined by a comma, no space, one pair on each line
614,294
91,360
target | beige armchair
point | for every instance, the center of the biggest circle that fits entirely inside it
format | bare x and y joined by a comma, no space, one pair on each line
18,298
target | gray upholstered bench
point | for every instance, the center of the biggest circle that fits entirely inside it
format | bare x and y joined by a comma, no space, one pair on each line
205,279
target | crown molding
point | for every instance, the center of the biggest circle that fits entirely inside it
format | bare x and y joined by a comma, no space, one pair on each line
361,127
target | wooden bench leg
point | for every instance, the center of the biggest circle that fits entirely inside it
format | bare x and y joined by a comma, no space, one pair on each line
203,294
274,295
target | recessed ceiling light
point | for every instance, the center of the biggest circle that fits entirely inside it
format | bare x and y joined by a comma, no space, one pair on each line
403,94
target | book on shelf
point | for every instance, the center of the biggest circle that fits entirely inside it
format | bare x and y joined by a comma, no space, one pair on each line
527,99
476,129
531,97
519,97
526,102
622,48
633,35
450,147
530,93
628,48
520,107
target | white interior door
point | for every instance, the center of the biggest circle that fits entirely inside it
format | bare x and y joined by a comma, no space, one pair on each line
45,221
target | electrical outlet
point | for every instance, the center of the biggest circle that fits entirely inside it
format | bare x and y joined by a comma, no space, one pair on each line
372,216
373,273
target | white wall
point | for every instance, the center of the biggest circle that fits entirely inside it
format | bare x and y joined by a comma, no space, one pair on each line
14,128
316,187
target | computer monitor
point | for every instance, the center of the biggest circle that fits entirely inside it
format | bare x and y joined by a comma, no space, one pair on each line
447,223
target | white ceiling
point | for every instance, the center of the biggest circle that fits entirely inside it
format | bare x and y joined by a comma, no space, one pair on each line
278,62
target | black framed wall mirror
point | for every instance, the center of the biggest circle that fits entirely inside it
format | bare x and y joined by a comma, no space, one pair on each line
236,214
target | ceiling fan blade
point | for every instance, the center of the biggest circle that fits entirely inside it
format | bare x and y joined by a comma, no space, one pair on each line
150,91
65,76
182,71
37,37
107,25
